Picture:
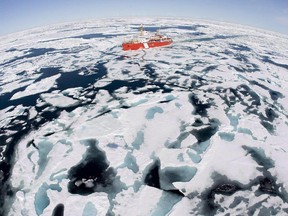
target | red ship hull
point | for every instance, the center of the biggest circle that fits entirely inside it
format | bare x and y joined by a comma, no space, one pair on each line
146,45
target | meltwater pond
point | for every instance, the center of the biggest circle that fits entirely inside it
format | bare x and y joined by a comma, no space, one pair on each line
198,127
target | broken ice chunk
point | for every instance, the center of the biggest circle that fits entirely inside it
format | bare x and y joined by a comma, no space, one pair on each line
168,175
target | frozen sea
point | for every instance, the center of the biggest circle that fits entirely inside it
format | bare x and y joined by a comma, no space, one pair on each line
199,127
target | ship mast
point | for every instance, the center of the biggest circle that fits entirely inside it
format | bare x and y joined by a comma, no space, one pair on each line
141,30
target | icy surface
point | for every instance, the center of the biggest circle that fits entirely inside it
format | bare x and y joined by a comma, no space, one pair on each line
198,127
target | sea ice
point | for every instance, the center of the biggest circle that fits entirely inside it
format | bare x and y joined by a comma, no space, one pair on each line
198,127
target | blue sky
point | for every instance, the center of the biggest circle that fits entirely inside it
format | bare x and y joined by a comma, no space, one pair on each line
16,15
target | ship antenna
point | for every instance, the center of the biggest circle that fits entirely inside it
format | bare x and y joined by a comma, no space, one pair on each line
141,30
158,30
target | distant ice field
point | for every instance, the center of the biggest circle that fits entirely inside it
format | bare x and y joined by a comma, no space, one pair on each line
198,127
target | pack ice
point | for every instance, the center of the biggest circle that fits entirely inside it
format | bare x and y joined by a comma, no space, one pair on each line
195,128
